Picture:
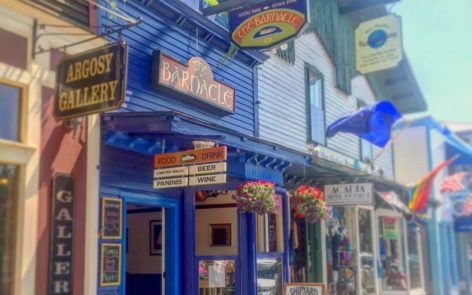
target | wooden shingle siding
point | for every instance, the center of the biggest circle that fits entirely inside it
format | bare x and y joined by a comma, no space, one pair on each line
158,33
282,112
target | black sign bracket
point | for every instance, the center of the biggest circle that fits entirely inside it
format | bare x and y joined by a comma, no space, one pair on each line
39,30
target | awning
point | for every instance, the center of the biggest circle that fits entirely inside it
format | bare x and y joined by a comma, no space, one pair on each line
163,132
392,199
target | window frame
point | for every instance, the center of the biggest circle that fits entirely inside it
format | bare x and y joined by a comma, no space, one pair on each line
22,111
310,68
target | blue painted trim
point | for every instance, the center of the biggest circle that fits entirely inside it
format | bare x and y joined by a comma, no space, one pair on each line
173,214
251,254
256,101
190,273
286,258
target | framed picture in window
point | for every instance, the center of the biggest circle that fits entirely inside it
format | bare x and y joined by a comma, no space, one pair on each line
155,237
219,235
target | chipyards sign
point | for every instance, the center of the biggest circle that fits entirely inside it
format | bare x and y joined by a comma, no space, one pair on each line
378,44
91,82
192,81
267,24
351,194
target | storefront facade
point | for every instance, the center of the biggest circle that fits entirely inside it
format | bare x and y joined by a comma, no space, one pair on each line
184,235
35,149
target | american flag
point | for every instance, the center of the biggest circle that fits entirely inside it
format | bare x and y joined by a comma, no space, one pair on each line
453,183
467,207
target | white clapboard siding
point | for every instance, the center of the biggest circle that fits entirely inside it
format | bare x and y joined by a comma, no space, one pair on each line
282,112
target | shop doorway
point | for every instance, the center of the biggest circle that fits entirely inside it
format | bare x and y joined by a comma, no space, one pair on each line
151,256
145,249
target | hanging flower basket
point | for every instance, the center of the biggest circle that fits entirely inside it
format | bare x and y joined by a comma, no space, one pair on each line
257,197
308,202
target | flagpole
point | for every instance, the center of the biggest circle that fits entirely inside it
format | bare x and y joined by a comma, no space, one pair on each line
389,143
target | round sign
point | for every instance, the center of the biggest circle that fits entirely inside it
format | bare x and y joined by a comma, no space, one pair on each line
377,39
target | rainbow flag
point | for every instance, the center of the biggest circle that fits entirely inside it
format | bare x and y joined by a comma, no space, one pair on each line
418,196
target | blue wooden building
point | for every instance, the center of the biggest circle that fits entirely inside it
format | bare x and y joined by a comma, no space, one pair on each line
188,240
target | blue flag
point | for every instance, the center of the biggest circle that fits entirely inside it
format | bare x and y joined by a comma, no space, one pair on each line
372,123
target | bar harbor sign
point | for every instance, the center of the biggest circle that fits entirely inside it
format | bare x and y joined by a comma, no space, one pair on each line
351,194
267,24
91,82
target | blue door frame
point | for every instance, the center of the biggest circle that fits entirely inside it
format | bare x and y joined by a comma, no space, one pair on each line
173,280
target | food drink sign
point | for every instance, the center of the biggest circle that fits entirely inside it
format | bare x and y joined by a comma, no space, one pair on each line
194,167
91,82
110,265
349,194
267,24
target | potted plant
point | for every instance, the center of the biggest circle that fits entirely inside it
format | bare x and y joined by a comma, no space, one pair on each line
257,197
308,202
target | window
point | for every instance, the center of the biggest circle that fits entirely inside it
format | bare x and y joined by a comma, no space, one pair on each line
392,264
8,197
315,106
10,104
414,257
367,258
270,248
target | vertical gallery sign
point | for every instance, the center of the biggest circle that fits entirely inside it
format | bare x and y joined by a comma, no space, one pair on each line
378,44
62,235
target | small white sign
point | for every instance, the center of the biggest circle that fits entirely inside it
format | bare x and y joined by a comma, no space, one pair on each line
207,179
304,289
170,182
170,172
349,194
216,277
207,168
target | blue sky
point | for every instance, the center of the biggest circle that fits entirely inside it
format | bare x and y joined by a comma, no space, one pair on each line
437,36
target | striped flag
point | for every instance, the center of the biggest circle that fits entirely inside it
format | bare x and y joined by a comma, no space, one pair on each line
453,183
467,207
418,196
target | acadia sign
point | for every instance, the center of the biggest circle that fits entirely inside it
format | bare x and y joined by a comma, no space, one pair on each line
193,81
351,194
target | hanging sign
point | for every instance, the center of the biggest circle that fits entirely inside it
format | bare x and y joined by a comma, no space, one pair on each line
349,194
193,81
378,44
62,235
390,228
110,265
207,179
190,168
304,289
209,155
91,82
111,218
267,24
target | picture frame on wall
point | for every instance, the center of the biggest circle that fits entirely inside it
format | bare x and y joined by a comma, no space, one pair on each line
219,235
155,237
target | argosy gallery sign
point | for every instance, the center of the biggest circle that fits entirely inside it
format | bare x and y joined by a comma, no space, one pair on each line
194,81
91,82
